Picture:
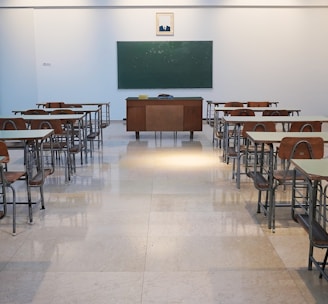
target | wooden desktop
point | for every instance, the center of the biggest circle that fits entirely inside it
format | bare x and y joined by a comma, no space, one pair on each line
164,114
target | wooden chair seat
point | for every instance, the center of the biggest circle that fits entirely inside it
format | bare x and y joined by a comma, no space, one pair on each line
319,235
12,176
38,178
260,181
283,175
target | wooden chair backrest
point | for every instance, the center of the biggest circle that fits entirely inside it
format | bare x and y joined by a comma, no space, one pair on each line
233,104
301,148
242,112
4,152
12,123
258,104
62,111
275,113
300,126
54,104
267,126
55,124
236,104
35,112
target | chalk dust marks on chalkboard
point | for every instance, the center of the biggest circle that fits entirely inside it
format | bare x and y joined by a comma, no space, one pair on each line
165,64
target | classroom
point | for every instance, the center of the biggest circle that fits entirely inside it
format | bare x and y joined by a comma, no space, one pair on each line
152,207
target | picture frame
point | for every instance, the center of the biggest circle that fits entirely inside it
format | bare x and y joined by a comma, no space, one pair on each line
164,24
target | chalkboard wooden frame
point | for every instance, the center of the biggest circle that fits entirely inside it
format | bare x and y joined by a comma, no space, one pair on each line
164,64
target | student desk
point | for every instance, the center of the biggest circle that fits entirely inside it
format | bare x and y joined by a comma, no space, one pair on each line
82,131
271,138
238,121
313,217
37,135
34,179
211,105
314,169
257,110
103,106
92,119
158,114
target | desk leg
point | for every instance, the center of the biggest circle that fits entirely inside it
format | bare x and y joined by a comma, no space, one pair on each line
271,214
191,134
238,131
209,112
137,135
215,127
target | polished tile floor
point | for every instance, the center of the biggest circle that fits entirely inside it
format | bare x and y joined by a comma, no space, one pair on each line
157,220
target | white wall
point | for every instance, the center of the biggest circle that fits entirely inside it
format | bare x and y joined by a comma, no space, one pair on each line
271,53
18,85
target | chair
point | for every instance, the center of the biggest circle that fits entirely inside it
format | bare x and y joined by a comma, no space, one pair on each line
59,142
293,148
219,125
258,104
7,179
12,123
275,112
91,136
68,123
232,104
72,130
246,149
239,112
300,126
35,112
233,134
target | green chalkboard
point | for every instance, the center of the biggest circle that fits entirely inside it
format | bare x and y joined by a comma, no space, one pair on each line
166,64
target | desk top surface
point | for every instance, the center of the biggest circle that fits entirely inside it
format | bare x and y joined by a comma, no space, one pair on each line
80,109
80,103
315,169
50,117
276,137
25,134
167,99
45,117
85,109
278,119
222,103
255,109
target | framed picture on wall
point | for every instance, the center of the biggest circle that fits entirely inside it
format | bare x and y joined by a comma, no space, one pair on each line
164,24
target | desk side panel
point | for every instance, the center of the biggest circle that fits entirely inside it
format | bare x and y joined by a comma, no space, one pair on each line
193,117
135,116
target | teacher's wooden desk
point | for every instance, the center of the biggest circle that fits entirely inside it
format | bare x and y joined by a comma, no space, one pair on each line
164,114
